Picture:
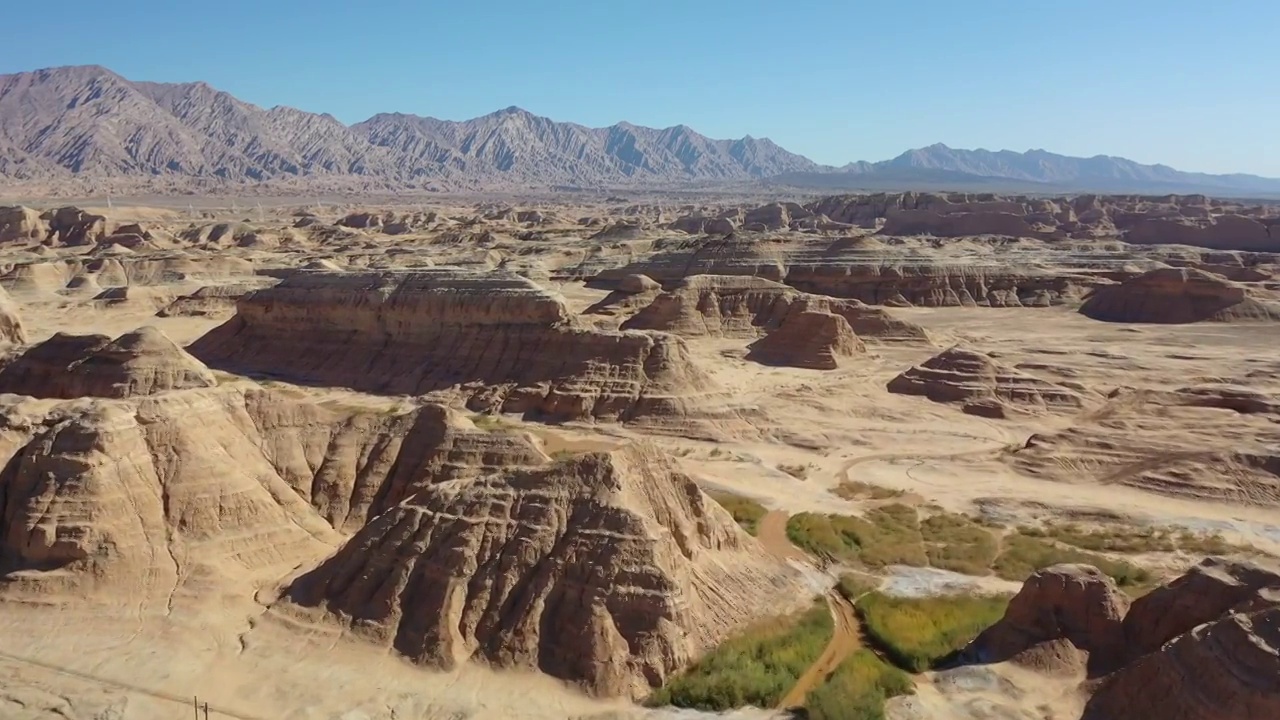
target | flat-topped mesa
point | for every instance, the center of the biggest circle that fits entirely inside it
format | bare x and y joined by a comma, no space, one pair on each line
984,386
745,306
508,343
1178,295
610,570
141,362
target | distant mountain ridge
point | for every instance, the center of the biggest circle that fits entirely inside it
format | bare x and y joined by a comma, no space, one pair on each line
941,164
87,122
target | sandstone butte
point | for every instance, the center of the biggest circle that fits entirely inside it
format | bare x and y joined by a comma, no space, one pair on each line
1205,646
745,306
509,344
513,568
982,385
1178,295
141,362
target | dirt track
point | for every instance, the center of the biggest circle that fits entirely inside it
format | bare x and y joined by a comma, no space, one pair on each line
846,636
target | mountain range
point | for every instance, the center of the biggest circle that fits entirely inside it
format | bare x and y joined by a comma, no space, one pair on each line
88,123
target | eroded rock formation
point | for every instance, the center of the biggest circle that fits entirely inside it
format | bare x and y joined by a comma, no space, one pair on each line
142,362
1205,646
807,339
982,385
743,306
1177,295
499,337
11,327
515,568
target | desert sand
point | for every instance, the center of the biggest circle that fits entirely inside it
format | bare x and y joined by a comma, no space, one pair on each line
356,461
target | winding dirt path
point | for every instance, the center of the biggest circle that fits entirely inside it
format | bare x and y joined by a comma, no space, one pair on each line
846,636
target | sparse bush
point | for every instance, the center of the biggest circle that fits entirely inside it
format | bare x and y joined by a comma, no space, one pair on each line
857,689
915,633
745,511
956,543
756,668
489,423
799,472
1024,554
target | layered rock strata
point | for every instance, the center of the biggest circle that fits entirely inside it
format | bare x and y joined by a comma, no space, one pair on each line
610,570
982,385
1178,295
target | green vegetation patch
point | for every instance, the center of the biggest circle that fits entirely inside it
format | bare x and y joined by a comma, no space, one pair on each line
855,490
1024,554
756,668
854,585
490,423
745,511
857,689
1135,539
915,633
956,543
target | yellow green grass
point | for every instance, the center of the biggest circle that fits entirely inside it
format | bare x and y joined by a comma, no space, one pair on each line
745,511
916,633
857,689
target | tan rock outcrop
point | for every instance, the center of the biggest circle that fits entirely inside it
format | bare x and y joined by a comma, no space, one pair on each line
1074,603
142,362
499,337
1177,295
11,327
807,339
742,306
20,224
71,227
984,386
611,570
132,496
210,300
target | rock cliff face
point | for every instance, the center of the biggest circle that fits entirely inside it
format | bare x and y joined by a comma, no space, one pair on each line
1205,646
1177,295
21,225
142,362
744,306
1073,603
807,339
863,270
983,386
131,495
513,568
1170,220
498,337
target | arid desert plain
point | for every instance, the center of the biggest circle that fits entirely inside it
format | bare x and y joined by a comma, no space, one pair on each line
911,455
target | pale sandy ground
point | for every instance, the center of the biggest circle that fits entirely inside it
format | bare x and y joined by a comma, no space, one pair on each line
112,663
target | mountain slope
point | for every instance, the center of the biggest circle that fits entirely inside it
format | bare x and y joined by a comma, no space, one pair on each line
88,124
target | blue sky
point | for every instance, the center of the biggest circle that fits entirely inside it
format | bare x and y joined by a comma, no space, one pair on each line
1195,85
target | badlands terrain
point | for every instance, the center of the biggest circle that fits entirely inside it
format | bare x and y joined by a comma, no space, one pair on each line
911,456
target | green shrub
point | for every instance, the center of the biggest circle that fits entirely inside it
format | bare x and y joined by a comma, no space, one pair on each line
956,543
1024,554
489,423
857,689
889,535
854,585
745,511
855,490
756,668
915,633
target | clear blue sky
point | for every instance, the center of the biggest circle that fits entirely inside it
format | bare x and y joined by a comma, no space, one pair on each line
1193,84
